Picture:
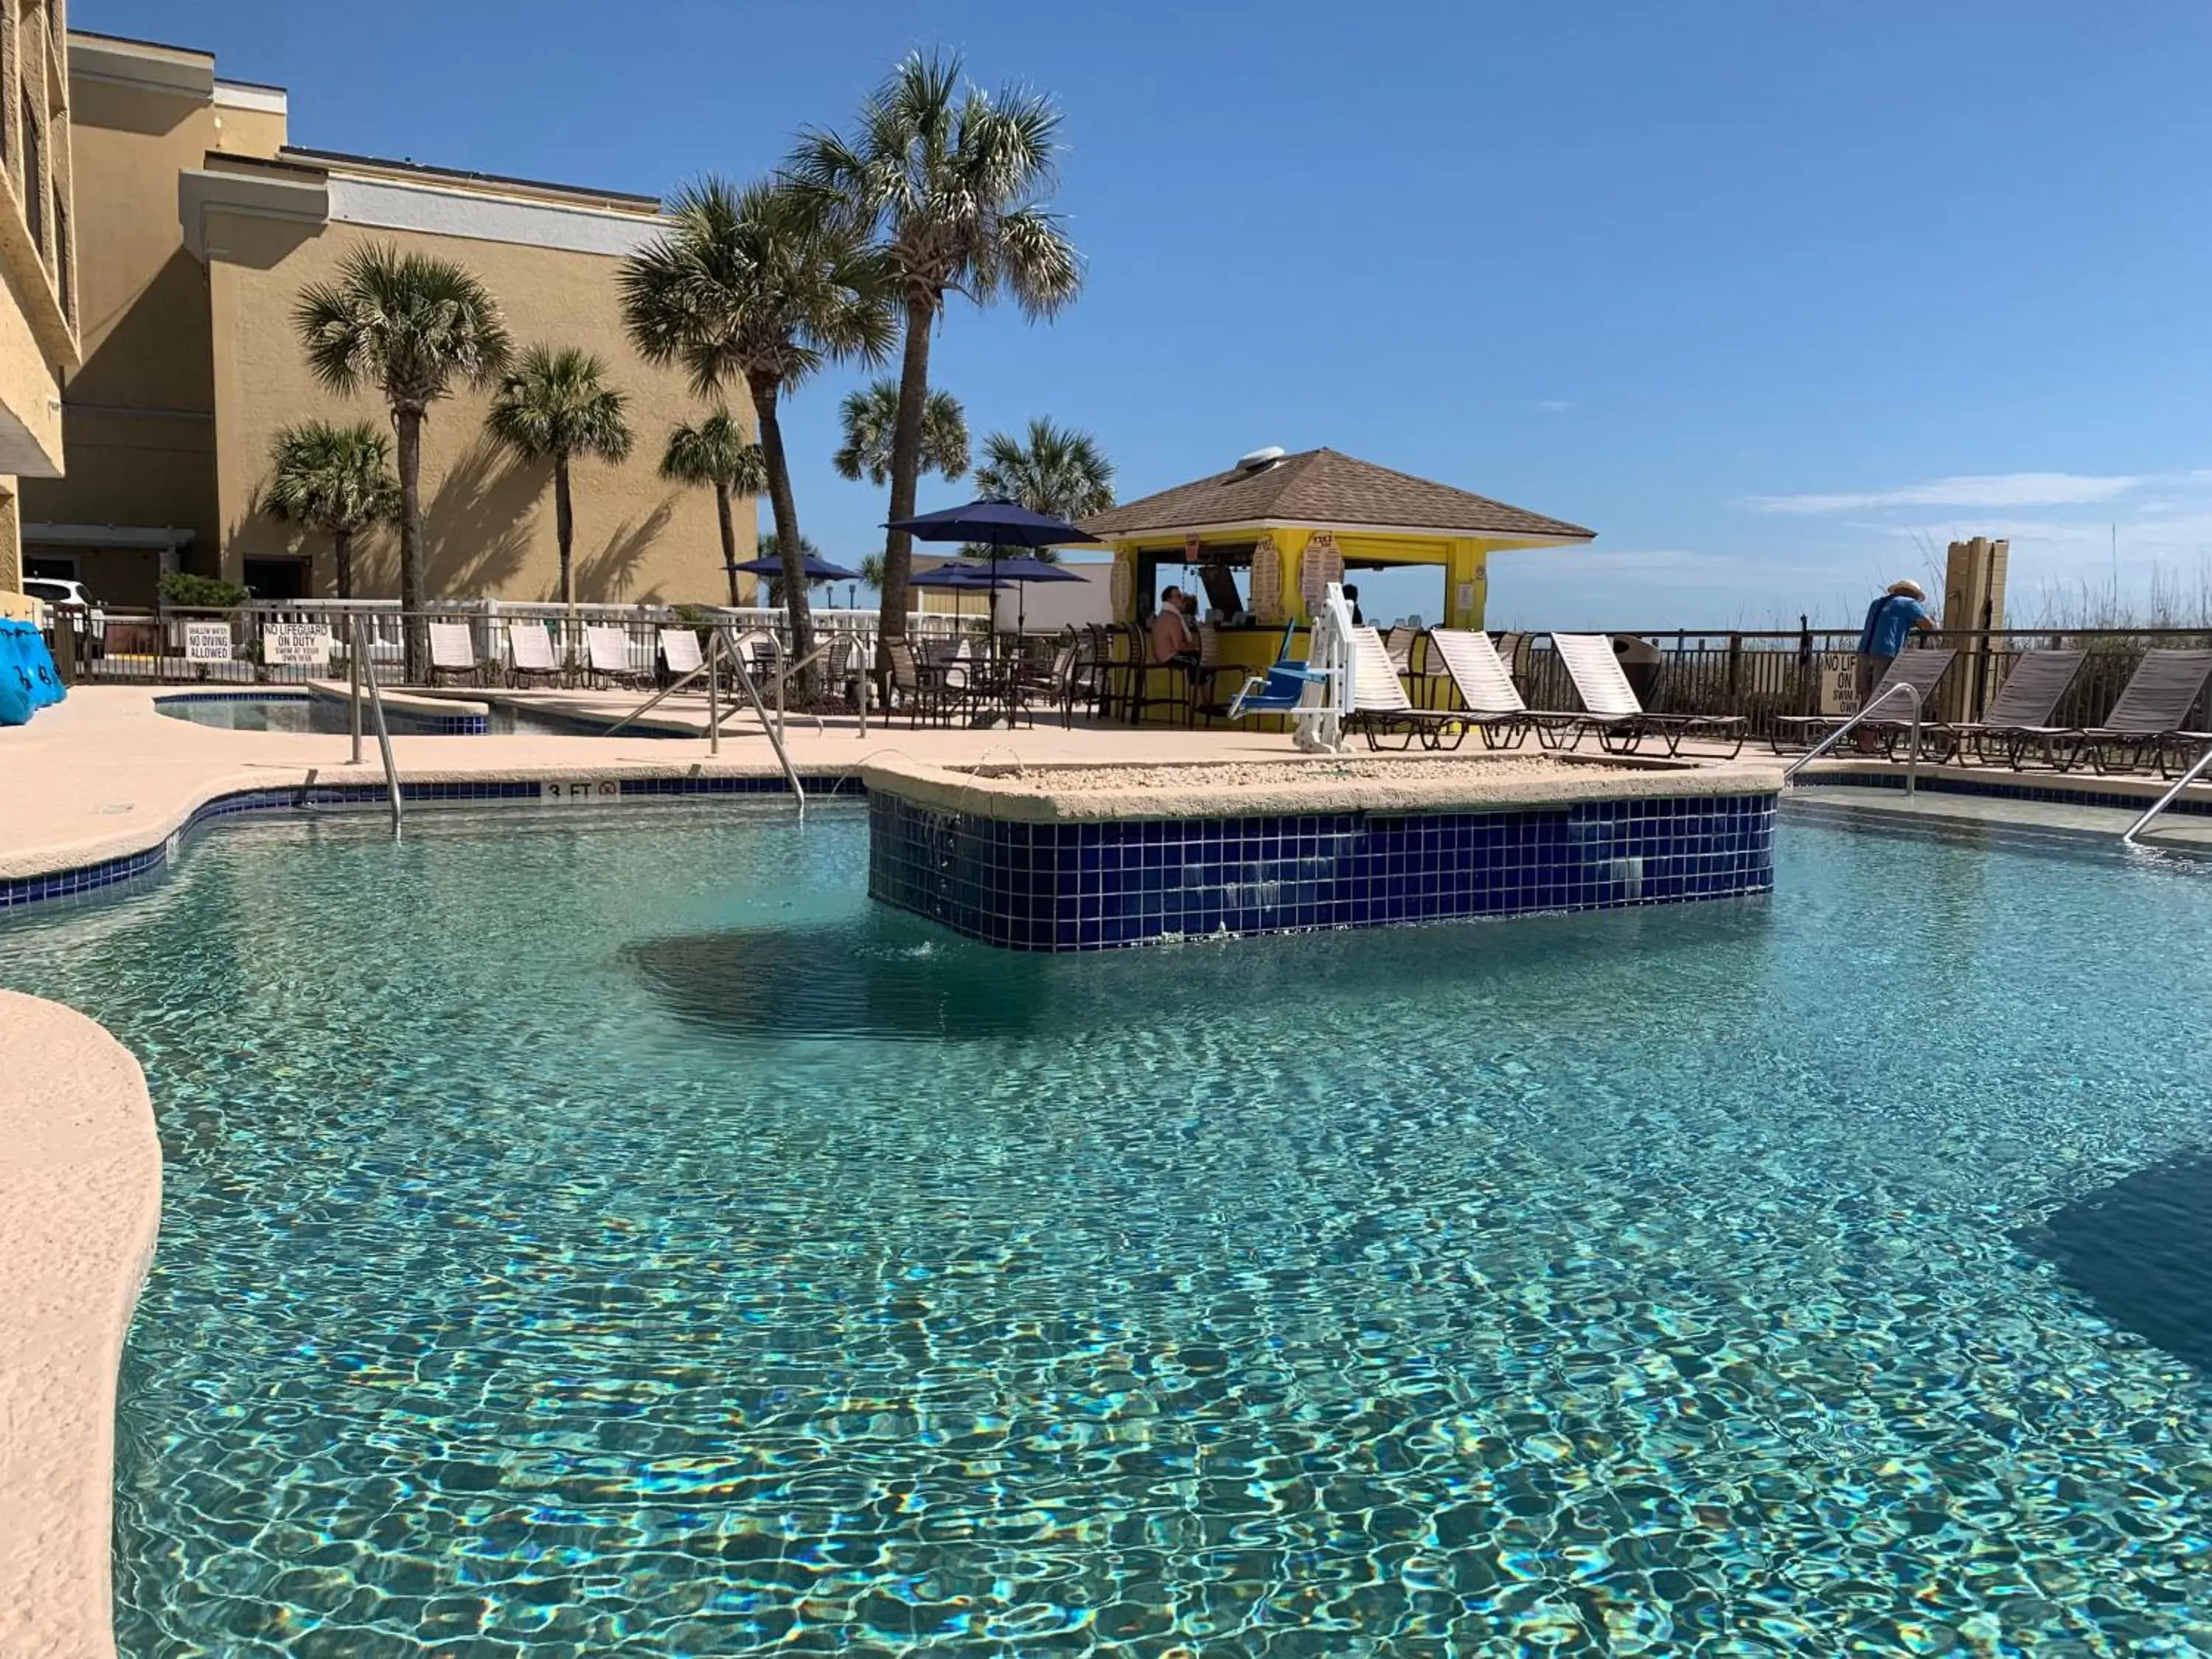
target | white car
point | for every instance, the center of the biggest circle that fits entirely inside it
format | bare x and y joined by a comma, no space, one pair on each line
50,591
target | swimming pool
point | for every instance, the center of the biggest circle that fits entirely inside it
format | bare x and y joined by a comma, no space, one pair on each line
304,712
589,1233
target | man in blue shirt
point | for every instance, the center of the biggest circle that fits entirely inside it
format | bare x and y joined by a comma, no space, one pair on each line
1890,620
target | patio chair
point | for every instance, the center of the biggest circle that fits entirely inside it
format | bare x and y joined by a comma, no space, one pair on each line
1151,684
453,651
1612,711
1488,699
1380,707
606,648
1923,670
2150,718
920,685
680,654
530,649
2022,708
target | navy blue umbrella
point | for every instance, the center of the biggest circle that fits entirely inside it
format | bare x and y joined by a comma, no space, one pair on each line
999,522
818,569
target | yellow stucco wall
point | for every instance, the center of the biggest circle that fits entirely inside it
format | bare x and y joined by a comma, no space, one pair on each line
489,519
138,416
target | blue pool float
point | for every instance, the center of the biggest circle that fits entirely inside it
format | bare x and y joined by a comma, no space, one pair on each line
28,681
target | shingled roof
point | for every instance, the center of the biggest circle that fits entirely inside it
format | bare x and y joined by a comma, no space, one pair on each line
1320,486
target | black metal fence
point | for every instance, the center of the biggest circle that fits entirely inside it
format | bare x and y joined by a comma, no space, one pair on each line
1761,676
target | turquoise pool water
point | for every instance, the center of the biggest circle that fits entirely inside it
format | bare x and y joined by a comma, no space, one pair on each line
595,1234
303,712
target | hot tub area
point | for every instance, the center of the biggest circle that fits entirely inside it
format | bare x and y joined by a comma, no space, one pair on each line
1092,857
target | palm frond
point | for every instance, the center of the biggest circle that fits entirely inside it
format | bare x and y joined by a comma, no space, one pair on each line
331,478
869,417
1054,470
409,324
715,452
761,283
557,406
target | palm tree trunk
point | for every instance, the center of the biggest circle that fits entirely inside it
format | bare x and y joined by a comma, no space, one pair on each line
729,539
411,571
564,529
906,468
789,548
342,549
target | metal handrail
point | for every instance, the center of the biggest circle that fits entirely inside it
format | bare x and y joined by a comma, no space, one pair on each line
2132,835
364,669
775,730
1912,755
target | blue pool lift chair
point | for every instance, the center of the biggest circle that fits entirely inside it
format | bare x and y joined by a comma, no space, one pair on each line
1282,688
1315,694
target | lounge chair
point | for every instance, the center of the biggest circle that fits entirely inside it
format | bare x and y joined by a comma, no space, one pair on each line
680,654
606,649
2151,717
1923,670
1488,698
530,648
452,650
2022,708
1380,707
1612,710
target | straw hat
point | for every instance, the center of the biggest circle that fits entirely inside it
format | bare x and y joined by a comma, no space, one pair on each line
1908,587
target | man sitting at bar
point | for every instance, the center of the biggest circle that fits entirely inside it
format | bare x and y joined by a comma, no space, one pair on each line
1173,643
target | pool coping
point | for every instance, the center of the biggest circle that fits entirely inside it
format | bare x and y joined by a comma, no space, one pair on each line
80,1208
1016,798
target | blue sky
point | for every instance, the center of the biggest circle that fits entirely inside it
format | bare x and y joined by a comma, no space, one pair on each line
1773,296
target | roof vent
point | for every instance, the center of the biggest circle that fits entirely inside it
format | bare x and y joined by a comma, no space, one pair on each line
1259,459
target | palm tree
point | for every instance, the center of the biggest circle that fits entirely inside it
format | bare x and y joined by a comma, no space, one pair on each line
870,414
949,176
759,284
337,479
716,452
555,405
1060,472
410,325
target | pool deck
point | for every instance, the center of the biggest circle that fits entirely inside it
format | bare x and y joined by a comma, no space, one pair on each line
103,775
80,1198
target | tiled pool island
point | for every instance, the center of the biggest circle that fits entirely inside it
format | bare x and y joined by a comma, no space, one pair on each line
1084,858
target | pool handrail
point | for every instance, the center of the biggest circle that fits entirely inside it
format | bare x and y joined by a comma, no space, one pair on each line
364,668
2132,835
774,728
1911,755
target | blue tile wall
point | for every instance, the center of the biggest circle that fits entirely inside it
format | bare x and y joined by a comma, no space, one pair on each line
1090,886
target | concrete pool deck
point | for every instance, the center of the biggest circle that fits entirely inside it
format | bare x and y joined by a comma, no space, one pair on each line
79,1201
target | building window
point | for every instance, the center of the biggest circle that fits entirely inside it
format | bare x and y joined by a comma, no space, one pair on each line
65,279
35,178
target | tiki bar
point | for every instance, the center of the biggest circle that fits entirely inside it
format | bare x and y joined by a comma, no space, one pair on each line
1258,543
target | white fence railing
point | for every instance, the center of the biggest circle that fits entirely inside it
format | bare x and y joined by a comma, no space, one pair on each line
284,643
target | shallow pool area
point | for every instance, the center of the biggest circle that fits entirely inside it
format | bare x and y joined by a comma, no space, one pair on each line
608,1232
306,712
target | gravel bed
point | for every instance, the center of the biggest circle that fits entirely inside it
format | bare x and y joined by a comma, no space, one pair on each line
1284,773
